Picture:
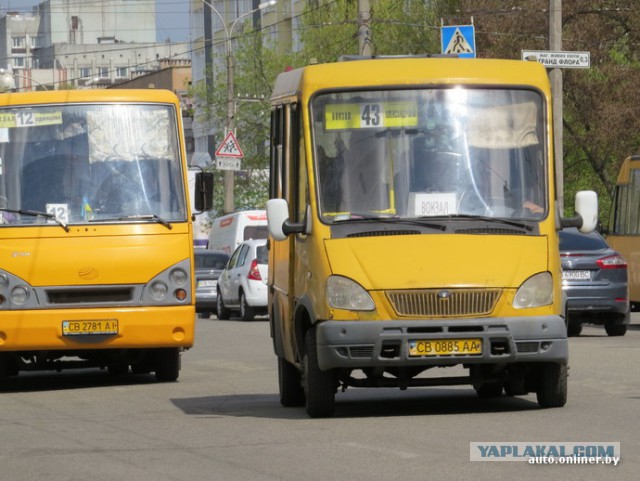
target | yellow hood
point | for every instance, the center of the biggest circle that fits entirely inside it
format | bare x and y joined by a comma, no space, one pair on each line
433,261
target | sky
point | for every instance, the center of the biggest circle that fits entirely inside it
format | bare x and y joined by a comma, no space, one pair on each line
172,16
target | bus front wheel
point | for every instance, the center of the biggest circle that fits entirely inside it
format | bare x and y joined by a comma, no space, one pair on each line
319,386
167,364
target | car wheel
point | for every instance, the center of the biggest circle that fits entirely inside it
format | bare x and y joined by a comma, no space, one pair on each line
167,364
574,328
615,329
319,386
552,385
290,384
222,312
246,311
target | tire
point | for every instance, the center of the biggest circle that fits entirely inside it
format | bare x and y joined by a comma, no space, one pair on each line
222,312
574,328
167,364
290,383
552,385
247,313
319,386
489,390
615,329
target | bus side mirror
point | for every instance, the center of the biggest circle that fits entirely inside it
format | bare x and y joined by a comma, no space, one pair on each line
586,207
278,220
203,195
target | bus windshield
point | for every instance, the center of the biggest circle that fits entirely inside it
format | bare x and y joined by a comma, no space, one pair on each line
430,153
79,163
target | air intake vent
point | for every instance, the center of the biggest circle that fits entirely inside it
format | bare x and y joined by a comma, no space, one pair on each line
493,231
90,296
377,233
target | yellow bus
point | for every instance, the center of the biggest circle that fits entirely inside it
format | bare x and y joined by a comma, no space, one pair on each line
413,224
623,230
96,238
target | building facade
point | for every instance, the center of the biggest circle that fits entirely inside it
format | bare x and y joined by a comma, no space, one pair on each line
76,43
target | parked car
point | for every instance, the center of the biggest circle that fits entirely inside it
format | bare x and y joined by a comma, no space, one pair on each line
594,279
209,265
242,285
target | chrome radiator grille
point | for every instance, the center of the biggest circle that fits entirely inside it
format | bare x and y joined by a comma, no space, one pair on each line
444,302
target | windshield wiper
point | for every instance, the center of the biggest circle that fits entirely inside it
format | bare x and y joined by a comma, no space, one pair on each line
36,213
152,217
356,217
500,220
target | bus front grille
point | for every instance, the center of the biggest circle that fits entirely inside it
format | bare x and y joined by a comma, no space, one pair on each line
90,295
444,303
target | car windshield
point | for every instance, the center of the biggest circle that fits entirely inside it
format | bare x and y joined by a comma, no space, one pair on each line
430,153
210,260
90,163
574,240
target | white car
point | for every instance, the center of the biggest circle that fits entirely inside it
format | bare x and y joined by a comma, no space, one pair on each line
242,286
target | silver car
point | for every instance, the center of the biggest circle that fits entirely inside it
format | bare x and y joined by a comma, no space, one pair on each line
594,279
209,265
242,286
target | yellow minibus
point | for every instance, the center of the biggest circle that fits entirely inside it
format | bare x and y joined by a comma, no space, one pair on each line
413,225
96,235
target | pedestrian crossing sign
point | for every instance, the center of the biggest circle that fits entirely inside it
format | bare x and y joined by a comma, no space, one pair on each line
458,40
229,147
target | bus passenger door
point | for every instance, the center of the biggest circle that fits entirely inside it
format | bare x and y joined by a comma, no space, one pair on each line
281,253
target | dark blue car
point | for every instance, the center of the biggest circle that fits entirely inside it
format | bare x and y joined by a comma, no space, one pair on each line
594,279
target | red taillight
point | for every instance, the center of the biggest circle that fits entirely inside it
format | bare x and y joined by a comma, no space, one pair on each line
612,262
254,272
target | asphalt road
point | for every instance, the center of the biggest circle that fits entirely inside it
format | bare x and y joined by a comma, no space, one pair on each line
222,421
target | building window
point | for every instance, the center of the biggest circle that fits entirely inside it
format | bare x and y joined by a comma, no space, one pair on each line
85,72
19,42
36,42
103,72
122,72
18,62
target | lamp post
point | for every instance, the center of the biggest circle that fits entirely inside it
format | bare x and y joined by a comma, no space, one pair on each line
229,194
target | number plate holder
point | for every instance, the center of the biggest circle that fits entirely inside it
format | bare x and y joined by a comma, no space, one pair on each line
445,347
94,327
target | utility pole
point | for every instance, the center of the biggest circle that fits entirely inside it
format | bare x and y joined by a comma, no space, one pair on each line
555,44
364,28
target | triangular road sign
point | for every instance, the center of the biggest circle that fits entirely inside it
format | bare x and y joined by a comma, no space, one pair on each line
229,147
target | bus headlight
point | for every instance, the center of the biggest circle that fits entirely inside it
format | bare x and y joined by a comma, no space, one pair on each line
179,277
535,292
159,290
343,293
19,295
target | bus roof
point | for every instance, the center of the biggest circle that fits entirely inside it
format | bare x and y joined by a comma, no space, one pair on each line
405,71
98,95
630,163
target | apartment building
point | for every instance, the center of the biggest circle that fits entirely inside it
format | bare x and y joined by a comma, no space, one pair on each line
81,44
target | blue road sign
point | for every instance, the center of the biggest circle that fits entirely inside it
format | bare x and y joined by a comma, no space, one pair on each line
459,40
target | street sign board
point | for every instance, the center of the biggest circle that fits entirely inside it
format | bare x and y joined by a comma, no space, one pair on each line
229,147
458,40
227,163
558,59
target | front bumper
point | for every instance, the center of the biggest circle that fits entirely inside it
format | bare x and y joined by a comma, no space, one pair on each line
362,344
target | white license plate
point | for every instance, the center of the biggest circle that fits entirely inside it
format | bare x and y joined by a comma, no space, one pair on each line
207,283
576,275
